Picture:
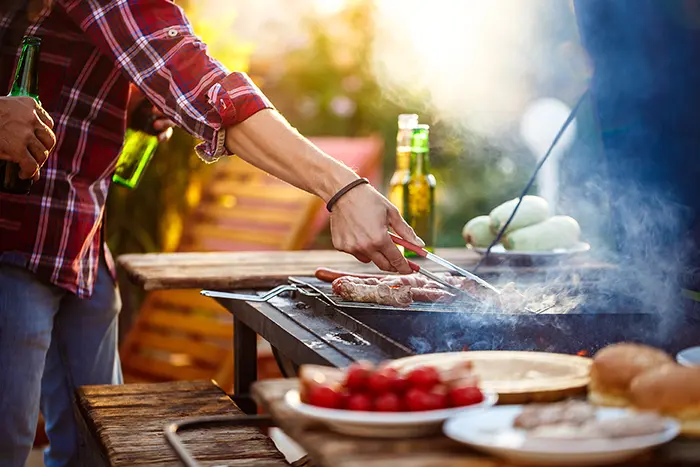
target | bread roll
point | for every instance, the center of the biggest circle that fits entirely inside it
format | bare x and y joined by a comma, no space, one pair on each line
615,367
670,390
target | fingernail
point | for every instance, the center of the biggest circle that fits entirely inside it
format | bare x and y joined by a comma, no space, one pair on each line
420,242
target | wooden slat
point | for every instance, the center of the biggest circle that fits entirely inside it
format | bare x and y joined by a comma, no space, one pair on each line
188,324
123,426
264,238
164,370
184,299
273,215
222,245
271,193
201,350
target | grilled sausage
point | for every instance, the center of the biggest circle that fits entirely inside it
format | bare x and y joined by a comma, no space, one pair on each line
329,275
382,294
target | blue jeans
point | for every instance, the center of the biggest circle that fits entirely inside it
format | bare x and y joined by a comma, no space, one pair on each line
51,342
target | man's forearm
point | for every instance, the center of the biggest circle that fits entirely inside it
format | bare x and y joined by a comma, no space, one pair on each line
268,142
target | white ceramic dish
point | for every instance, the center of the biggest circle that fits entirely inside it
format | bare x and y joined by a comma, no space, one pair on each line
499,251
492,431
689,357
383,424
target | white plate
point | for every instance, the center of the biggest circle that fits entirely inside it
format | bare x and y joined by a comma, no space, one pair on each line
383,424
492,431
689,357
499,251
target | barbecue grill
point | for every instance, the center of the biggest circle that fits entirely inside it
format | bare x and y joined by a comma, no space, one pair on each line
306,323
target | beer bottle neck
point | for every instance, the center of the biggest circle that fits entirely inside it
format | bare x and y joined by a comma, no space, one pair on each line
26,81
403,149
420,163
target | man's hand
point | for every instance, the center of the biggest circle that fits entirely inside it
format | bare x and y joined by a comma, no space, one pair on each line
359,225
162,125
361,218
26,135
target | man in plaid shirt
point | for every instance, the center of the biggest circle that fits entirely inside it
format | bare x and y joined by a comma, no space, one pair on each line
58,299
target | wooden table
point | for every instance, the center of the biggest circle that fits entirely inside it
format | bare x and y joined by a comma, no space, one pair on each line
123,426
328,449
261,270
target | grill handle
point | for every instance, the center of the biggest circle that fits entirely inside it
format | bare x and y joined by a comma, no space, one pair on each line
280,289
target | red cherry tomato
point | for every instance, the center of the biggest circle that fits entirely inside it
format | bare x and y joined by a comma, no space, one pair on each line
359,402
324,396
436,399
419,400
465,395
398,382
423,378
387,402
344,399
358,375
387,380
379,382
416,400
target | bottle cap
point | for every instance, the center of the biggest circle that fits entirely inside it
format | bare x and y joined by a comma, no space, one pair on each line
408,120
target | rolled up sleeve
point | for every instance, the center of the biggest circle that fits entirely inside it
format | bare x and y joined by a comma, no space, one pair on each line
153,42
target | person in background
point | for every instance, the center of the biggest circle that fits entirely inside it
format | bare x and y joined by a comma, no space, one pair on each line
58,298
645,96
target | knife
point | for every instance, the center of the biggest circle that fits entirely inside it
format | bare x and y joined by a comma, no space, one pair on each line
442,262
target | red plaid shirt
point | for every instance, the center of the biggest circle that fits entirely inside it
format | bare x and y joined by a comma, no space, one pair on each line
91,50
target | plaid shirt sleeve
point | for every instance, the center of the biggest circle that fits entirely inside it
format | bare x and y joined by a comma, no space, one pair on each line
154,44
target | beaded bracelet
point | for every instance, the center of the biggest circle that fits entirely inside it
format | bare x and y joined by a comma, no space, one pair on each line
343,191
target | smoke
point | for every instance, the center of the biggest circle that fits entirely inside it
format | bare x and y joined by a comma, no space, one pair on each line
476,60
480,64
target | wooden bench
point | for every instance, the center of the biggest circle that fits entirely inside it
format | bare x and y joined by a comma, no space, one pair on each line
123,426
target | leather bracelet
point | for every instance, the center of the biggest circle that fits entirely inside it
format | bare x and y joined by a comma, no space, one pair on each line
343,191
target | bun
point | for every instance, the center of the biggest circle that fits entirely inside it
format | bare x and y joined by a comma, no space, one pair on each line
671,390
615,367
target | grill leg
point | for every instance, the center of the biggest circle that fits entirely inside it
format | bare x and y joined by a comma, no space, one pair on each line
245,360
288,368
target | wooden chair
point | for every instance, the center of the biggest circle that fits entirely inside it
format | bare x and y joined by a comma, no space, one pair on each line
180,335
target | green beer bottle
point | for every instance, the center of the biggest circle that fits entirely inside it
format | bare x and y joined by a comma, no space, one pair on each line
26,83
140,143
419,190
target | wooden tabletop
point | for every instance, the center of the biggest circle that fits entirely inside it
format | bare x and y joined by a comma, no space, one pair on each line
328,449
261,270
123,426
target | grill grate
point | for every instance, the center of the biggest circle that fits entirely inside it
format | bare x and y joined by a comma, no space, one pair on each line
549,302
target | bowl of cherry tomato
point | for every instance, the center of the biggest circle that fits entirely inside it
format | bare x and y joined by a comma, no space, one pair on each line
379,401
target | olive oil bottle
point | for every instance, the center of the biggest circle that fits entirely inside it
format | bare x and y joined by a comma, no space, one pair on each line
407,122
419,189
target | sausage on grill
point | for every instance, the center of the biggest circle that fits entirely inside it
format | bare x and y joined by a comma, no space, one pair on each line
382,294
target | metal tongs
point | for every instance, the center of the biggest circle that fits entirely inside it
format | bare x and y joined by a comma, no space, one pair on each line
442,262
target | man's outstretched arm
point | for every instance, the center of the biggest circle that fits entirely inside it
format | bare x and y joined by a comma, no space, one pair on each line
153,43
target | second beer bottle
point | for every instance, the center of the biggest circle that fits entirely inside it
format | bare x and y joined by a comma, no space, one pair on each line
419,190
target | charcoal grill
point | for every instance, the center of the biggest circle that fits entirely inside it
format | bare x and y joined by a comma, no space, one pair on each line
306,323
